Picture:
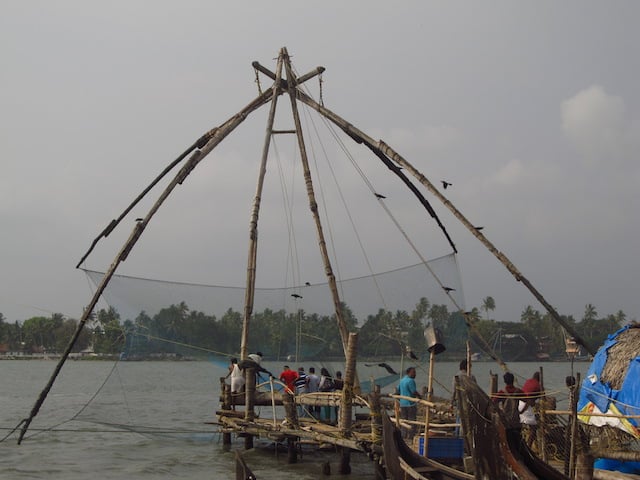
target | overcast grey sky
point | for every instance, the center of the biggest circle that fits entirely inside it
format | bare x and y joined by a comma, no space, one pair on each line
531,110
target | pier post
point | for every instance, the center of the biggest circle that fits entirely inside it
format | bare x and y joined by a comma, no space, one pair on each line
291,416
226,405
290,412
249,413
376,417
347,401
493,384
376,428
292,453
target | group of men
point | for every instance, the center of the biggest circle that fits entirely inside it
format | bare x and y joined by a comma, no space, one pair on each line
300,383
297,382
518,405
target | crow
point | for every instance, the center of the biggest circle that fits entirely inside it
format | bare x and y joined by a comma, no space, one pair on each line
449,289
411,355
380,196
386,366
446,184
295,295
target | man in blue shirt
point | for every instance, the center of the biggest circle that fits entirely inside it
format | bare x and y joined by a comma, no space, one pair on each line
408,409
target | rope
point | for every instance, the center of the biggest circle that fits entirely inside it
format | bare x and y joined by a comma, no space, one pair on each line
344,203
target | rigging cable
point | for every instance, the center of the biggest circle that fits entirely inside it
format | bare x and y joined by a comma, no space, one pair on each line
347,210
486,347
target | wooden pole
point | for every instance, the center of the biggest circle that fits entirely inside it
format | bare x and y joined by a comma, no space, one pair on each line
313,205
219,134
574,430
290,412
542,428
249,413
427,420
273,402
347,400
566,453
493,384
255,211
381,147
432,362
226,405
376,415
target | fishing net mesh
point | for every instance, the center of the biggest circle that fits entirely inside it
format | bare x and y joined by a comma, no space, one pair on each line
195,328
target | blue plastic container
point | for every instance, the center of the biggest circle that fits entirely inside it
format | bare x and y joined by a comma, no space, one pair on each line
445,448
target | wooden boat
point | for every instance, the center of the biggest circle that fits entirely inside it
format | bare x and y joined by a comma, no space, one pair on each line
401,462
499,453
243,472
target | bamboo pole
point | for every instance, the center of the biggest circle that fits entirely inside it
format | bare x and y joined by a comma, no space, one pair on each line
255,211
220,134
313,205
347,400
432,361
273,402
249,412
427,420
376,415
290,412
574,430
379,146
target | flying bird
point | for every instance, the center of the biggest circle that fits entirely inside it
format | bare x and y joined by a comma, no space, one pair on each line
386,366
478,228
411,355
295,295
380,196
139,219
445,184
307,284
449,289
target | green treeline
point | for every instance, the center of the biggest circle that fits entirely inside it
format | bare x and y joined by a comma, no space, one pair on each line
278,334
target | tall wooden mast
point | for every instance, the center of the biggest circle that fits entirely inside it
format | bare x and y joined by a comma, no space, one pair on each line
290,86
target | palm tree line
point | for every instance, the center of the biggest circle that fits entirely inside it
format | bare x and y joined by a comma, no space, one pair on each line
177,330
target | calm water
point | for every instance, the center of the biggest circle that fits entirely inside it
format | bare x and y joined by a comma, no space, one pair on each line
164,406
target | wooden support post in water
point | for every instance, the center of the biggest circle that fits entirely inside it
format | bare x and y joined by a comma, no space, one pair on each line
249,400
347,401
292,453
290,412
226,405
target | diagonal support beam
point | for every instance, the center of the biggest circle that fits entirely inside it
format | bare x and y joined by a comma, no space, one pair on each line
284,83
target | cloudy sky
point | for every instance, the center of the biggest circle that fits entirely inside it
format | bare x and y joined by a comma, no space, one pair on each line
532,111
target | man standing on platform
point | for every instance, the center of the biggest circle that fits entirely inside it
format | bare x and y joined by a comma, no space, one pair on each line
289,377
408,409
